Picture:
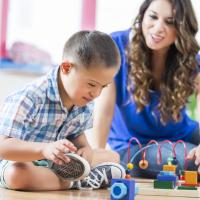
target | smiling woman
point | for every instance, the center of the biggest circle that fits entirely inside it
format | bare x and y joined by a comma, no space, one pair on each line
156,78
158,28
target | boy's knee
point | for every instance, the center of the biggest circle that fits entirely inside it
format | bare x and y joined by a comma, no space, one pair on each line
15,176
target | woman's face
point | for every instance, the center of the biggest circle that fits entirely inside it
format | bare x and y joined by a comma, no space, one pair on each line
157,25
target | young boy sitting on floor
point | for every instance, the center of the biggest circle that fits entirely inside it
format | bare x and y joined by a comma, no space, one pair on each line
45,121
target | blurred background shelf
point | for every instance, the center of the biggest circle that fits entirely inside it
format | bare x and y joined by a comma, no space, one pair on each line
13,76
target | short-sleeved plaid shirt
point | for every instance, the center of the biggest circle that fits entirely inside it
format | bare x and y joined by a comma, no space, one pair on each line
35,113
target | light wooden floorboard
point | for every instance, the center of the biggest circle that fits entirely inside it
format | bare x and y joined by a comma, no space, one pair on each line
73,195
79,194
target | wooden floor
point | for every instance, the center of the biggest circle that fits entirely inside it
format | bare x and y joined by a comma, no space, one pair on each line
79,194
73,195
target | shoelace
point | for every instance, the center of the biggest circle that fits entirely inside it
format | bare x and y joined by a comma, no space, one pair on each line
95,182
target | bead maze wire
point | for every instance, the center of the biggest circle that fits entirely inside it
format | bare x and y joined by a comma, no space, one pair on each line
144,163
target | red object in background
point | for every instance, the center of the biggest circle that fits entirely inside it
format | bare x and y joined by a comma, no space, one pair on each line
3,28
24,53
88,19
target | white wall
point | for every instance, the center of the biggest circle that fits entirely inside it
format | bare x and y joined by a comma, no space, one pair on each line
115,15
48,23
44,23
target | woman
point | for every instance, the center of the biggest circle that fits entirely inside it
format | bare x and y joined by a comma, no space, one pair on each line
157,75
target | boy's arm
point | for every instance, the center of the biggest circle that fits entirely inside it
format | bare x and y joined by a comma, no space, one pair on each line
24,151
18,150
103,113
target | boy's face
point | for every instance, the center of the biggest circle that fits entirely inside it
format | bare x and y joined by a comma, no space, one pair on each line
82,85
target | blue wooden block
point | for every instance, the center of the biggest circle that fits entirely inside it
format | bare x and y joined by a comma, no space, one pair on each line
123,189
166,173
167,178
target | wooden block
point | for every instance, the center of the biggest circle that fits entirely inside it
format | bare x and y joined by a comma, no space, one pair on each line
167,178
148,190
169,168
124,189
191,177
191,185
186,188
164,184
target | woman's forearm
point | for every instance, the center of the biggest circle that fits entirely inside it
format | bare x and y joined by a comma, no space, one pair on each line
104,108
198,107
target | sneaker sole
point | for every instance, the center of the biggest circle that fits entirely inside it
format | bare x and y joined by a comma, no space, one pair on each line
77,169
123,171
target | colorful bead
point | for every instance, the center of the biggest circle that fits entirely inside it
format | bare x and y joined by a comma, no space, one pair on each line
128,176
130,166
143,164
128,171
169,160
174,161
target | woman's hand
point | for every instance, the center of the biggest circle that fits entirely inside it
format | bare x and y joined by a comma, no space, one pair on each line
195,154
55,151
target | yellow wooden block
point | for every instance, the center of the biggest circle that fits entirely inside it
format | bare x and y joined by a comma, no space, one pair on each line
191,177
169,168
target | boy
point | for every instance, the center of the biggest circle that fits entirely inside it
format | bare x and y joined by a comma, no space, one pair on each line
45,121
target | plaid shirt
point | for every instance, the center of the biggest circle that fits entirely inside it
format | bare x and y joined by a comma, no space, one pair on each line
35,113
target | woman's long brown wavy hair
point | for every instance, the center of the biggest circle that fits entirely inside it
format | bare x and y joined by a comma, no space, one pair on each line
181,64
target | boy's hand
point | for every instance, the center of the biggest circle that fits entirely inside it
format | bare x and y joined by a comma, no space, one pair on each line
85,152
195,154
55,151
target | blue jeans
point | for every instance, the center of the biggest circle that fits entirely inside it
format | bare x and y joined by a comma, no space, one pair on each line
151,153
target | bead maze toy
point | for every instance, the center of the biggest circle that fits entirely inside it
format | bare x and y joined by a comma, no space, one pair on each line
167,183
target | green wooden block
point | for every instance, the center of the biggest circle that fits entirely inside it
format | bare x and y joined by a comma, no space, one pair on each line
183,187
164,184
